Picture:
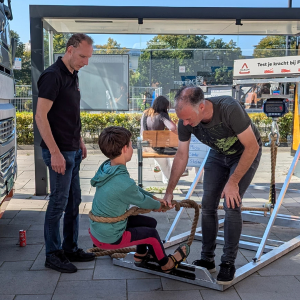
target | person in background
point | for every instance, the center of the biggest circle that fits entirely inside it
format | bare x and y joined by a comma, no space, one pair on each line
122,100
154,85
157,118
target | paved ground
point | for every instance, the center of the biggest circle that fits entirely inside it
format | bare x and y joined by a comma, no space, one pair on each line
23,275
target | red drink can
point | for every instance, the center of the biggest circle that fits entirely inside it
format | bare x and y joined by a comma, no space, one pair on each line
22,238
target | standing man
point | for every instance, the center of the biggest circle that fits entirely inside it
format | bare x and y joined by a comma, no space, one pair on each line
58,120
222,124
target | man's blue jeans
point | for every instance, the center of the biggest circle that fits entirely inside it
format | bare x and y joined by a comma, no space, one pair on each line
65,197
217,171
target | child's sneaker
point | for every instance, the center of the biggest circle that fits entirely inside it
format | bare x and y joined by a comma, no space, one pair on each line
156,169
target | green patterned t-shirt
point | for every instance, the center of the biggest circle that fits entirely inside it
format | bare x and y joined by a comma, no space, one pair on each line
229,119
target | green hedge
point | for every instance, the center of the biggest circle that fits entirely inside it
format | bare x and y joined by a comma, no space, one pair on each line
24,128
92,124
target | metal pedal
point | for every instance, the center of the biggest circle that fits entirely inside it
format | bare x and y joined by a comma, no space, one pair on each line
184,272
176,272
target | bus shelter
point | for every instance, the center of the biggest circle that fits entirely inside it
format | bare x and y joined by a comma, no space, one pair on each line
144,20
173,20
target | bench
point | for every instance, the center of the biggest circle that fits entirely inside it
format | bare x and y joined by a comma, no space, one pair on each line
154,138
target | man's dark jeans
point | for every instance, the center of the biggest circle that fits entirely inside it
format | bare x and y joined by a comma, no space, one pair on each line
217,171
65,197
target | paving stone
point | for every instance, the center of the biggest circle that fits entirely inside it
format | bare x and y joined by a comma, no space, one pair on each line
7,297
229,294
12,230
87,198
32,216
143,285
5,221
24,265
39,263
26,203
288,264
273,287
10,213
36,227
28,282
35,236
165,295
33,297
106,270
92,290
79,275
14,252
85,265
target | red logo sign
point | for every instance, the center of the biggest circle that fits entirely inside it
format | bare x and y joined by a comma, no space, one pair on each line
244,69
270,71
285,70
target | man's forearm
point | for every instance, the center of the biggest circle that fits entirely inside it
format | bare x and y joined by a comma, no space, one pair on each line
245,163
46,133
178,167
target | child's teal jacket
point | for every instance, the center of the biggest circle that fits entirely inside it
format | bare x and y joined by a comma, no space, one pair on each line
115,192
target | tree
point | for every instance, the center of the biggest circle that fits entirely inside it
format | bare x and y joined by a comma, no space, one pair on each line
60,41
226,53
20,45
111,47
164,54
59,45
272,46
23,76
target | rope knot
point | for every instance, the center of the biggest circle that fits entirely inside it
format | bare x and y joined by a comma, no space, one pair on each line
177,205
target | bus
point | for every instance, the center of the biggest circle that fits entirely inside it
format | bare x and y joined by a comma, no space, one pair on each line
8,144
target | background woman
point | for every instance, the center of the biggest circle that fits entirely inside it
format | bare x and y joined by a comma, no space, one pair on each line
157,118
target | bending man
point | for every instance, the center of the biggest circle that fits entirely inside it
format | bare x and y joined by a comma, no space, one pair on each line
222,124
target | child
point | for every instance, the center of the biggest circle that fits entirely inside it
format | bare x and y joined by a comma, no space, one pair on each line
115,192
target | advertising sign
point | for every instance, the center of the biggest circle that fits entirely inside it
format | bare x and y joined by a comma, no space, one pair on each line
181,69
18,63
104,83
272,66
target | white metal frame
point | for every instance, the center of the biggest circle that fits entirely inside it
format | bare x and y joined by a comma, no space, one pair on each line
272,253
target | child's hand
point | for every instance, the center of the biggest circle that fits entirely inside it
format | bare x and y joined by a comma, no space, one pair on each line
157,210
160,200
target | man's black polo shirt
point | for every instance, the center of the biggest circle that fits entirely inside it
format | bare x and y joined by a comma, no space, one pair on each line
59,85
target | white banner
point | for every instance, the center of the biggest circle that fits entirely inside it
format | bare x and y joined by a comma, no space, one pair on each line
197,152
271,66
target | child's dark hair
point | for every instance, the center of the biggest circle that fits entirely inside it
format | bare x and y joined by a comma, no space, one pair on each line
112,140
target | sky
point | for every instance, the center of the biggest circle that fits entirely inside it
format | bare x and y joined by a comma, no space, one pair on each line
20,23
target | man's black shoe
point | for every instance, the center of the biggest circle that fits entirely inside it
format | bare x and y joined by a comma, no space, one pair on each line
59,262
209,265
80,255
226,273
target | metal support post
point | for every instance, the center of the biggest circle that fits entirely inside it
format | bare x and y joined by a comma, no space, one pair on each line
140,161
277,206
37,61
189,193
50,34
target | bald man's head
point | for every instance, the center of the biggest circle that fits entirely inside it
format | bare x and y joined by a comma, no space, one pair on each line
188,95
